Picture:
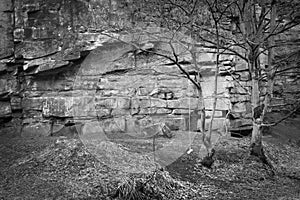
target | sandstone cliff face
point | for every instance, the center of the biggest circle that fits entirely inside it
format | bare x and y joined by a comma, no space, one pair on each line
57,69
51,76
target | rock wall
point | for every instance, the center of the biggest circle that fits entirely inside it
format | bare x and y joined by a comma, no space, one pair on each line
8,83
121,90
57,70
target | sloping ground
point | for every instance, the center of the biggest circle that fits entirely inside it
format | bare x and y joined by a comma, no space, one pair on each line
60,168
236,175
286,131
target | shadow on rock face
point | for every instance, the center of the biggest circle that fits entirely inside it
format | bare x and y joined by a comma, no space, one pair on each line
68,131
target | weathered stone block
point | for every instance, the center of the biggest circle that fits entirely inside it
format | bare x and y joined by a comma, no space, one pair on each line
82,107
16,103
103,112
3,68
120,112
222,104
6,5
246,84
244,76
218,124
242,107
208,85
51,65
18,34
239,90
114,102
191,121
54,107
225,70
105,102
168,82
234,98
6,39
106,54
71,54
148,102
154,110
35,49
277,101
175,123
241,66
217,113
5,109
181,111
184,103
35,103
3,85
241,115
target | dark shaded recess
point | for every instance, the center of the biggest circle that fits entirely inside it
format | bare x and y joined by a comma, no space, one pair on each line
226,73
33,14
5,120
208,160
5,96
258,111
3,72
31,69
230,116
27,33
8,11
241,133
69,131
117,72
146,53
70,128
184,62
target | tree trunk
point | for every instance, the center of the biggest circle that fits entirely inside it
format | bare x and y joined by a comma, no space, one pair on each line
256,137
256,140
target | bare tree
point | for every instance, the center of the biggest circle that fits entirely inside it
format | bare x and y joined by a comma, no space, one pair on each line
256,25
246,29
173,26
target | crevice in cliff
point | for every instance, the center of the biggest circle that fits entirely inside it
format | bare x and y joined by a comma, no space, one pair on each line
118,72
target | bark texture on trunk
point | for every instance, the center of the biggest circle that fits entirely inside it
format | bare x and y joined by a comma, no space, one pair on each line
256,140
256,147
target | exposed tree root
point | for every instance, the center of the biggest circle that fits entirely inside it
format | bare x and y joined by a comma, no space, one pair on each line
208,160
258,151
